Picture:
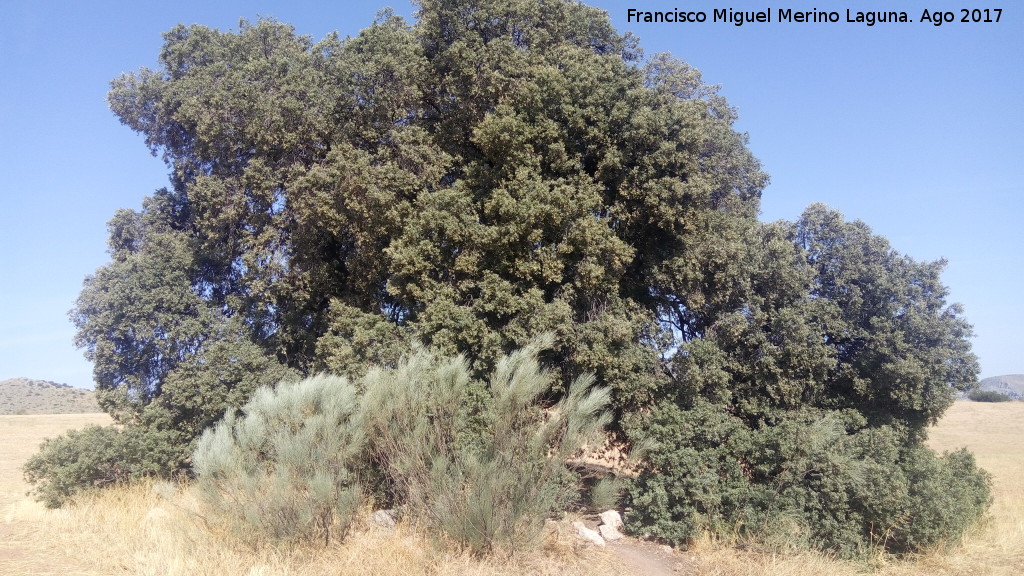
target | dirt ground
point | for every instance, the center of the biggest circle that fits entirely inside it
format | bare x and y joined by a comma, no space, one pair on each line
649,559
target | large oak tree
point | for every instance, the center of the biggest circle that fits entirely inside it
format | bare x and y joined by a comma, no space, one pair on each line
495,170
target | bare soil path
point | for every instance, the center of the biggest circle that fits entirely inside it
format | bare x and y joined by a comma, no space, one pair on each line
648,559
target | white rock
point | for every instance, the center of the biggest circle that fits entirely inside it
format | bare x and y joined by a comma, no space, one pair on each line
587,533
384,518
611,518
609,532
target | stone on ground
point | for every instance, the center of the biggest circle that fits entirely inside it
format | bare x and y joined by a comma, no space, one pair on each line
588,534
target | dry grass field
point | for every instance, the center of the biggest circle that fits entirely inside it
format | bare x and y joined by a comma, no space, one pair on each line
138,531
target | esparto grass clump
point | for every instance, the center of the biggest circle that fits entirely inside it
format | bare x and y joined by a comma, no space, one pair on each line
484,469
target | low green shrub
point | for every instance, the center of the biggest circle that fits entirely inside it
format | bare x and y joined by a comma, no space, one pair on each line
156,439
811,479
285,468
945,496
979,395
484,467
94,457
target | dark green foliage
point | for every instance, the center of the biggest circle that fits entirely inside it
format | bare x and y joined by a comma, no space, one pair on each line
159,437
286,467
496,170
828,315
813,479
356,341
138,317
945,496
979,395
94,457
800,414
901,351
211,383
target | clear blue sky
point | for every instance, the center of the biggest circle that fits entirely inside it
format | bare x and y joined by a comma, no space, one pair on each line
917,130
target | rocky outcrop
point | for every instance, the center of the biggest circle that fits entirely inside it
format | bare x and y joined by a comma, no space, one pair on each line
587,533
611,521
608,525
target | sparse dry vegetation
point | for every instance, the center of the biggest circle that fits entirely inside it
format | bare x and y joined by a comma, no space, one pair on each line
136,530
147,529
28,396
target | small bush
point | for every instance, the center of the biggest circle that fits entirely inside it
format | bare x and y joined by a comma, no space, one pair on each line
286,468
484,468
945,495
813,479
95,457
979,395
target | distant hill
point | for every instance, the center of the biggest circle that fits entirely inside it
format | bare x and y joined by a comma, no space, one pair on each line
1011,384
26,396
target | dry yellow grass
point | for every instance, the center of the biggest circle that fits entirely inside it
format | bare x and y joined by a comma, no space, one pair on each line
21,438
136,531
26,547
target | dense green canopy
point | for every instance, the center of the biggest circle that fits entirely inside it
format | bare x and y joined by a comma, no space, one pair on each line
496,170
